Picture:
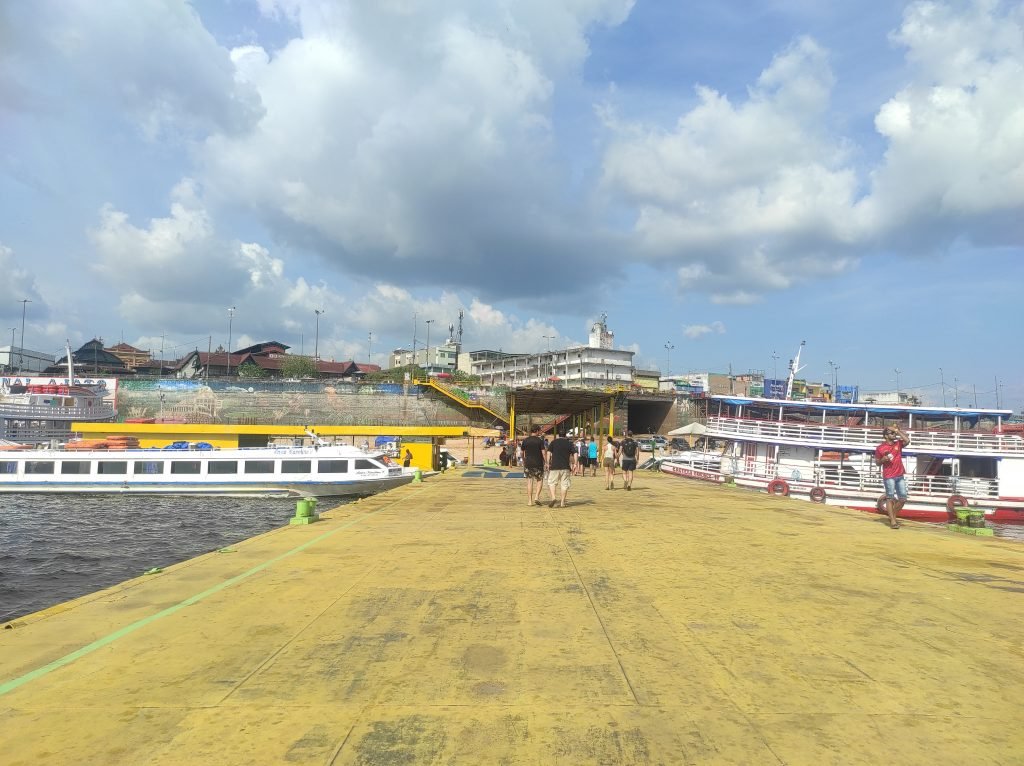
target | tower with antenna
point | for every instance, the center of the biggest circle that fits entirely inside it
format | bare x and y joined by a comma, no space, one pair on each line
600,335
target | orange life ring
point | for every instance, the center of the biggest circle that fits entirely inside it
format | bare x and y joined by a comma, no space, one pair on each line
778,487
817,495
956,501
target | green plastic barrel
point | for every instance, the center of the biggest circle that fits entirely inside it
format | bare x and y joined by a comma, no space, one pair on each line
976,519
303,509
962,514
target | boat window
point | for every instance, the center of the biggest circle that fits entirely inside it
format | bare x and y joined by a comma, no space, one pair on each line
295,466
259,466
185,466
332,466
38,466
74,466
112,466
8,466
222,466
364,465
150,466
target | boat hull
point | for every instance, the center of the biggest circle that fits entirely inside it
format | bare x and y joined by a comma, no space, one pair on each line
284,489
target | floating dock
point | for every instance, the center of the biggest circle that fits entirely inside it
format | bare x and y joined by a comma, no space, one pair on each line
446,622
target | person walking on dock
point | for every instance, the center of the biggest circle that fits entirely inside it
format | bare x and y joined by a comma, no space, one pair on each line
630,449
889,455
592,455
533,465
561,456
611,455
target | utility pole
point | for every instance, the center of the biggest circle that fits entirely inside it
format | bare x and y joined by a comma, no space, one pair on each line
316,339
369,348
942,381
898,371
429,322
21,346
231,318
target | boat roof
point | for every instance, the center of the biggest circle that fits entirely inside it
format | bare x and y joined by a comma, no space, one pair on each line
963,412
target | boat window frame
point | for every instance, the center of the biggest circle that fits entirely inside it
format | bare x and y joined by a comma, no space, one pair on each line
324,465
160,465
369,465
31,465
100,464
8,467
197,464
64,464
213,465
260,464
288,466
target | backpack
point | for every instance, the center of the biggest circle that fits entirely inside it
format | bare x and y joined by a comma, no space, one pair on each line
629,448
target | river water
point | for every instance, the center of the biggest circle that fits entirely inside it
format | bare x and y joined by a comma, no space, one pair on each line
58,547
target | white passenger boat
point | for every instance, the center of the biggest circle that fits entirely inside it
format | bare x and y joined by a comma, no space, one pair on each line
313,471
693,464
823,451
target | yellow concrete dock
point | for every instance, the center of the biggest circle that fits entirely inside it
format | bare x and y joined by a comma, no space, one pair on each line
448,623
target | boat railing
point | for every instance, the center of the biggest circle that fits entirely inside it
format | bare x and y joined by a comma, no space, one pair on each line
941,486
862,438
99,411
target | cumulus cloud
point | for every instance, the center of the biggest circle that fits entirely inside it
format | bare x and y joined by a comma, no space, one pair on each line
954,164
695,331
739,193
403,137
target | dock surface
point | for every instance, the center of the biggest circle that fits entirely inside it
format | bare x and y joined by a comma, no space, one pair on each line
448,623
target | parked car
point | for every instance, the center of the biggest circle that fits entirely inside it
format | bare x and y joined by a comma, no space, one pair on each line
661,441
646,444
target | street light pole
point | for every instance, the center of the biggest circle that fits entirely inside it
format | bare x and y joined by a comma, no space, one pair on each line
898,371
10,353
668,359
316,339
429,322
21,346
231,319
369,348
942,381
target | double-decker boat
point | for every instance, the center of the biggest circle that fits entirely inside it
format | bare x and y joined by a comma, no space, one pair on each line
320,470
34,412
824,452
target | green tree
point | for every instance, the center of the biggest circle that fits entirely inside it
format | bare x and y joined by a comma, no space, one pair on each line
298,367
250,370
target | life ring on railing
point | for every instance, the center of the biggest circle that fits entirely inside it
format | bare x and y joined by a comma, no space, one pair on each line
956,501
817,495
778,487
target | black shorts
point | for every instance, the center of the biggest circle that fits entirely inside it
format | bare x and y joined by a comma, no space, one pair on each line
628,465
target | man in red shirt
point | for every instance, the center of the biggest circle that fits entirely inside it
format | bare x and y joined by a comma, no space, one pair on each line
889,455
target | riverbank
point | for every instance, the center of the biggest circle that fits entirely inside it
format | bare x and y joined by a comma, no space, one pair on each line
449,622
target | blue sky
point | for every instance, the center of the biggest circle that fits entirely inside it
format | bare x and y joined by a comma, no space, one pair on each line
723,179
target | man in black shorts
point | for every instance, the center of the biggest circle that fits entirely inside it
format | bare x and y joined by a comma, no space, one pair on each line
630,451
533,465
561,460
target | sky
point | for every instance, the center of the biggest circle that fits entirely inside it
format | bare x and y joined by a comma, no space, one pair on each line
722,179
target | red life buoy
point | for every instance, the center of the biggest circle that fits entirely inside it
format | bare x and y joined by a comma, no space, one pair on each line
880,504
778,487
956,501
817,495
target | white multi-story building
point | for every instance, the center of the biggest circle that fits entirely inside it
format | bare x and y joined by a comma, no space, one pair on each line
596,365
441,358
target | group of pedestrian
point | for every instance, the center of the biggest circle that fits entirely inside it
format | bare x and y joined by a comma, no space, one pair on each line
554,464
